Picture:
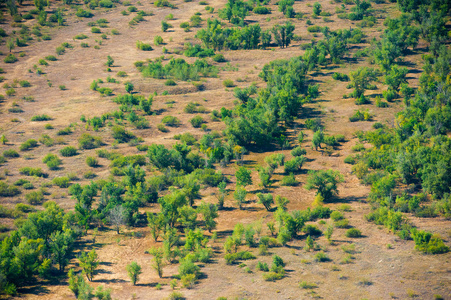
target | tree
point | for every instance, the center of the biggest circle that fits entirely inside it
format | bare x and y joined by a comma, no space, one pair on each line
191,189
361,80
325,182
240,195
317,139
155,223
158,263
165,26
3,139
187,217
170,204
117,217
89,263
316,8
129,87
61,245
209,212
134,270
266,199
243,177
395,77
222,193
10,44
283,34
109,61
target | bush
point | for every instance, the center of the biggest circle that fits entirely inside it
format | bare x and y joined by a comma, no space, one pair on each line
170,82
344,223
273,276
10,58
81,13
228,83
158,40
29,144
32,172
314,28
197,121
68,151
294,165
8,190
162,128
87,141
261,10
289,180
121,135
340,76
35,197
41,118
11,153
428,243
52,161
353,233
321,257
171,121
92,162
219,58
62,182
143,46
298,151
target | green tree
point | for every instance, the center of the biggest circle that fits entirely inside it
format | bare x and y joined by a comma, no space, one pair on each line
240,195
109,61
3,139
243,177
165,26
129,87
158,263
10,44
222,193
316,8
325,182
134,270
266,200
209,212
61,246
170,205
317,139
361,80
283,34
89,263
155,223
395,77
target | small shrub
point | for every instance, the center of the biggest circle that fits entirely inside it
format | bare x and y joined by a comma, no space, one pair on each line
29,144
289,180
171,121
11,153
41,118
68,151
62,182
219,58
87,141
197,121
353,233
162,128
158,40
92,162
321,257
344,223
170,82
228,83
35,197
10,59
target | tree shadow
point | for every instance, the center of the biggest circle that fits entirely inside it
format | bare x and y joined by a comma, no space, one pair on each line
114,280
